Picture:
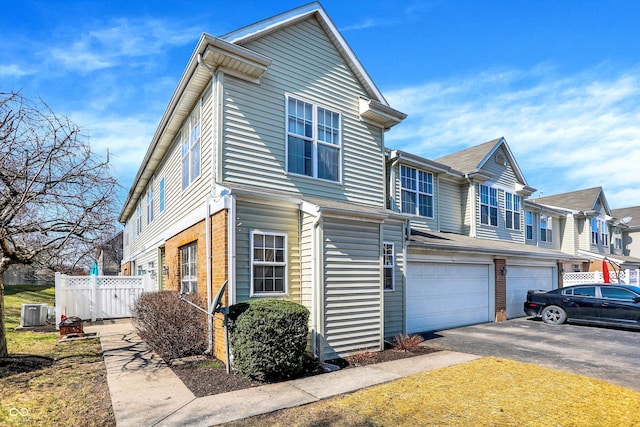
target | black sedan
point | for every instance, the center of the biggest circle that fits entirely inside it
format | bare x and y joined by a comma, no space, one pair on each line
600,304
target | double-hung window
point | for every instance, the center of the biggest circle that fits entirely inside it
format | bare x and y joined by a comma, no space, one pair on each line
416,191
604,232
488,205
188,268
150,207
594,231
190,140
268,263
546,228
139,218
617,235
528,221
313,140
388,264
161,195
512,211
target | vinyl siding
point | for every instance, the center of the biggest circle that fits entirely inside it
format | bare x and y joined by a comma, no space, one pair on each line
451,206
179,204
394,300
267,218
352,288
304,64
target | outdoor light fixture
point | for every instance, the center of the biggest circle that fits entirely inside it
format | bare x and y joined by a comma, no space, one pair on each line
165,270
504,271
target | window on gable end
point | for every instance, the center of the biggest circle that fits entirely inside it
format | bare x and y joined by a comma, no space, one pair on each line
512,211
314,140
488,205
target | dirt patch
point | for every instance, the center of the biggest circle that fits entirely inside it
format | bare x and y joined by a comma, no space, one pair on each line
206,376
13,365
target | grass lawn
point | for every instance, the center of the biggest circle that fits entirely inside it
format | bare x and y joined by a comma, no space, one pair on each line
49,383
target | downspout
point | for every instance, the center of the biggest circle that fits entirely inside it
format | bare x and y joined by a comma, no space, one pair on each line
472,220
315,284
231,249
392,184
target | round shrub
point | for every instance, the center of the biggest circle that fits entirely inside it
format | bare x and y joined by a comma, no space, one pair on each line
269,338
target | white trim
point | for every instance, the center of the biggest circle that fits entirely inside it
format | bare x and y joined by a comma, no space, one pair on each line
392,266
284,264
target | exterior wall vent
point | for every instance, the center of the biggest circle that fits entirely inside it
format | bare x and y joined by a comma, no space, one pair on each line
33,315
500,159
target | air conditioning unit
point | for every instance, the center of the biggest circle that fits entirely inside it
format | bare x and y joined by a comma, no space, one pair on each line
33,315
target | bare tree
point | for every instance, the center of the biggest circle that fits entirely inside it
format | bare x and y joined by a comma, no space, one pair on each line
57,198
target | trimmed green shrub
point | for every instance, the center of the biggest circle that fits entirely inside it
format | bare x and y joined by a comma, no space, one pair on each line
269,338
171,327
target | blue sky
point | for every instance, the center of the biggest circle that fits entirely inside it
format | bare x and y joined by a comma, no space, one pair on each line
560,80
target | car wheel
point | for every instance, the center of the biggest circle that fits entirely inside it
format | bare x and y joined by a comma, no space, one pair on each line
554,315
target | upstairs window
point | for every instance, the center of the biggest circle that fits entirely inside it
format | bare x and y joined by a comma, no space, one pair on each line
617,235
313,140
161,195
139,218
546,228
269,263
488,205
528,220
604,232
388,263
512,211
417,191
189,137
594,231
150,207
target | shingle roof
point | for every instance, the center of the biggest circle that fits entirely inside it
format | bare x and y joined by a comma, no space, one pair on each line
632,212
580,200
469,159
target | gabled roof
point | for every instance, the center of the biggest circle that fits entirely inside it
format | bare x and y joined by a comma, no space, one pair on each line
631,215
581,200
472,159
229,54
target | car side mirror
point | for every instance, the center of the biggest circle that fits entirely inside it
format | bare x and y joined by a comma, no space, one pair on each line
636,299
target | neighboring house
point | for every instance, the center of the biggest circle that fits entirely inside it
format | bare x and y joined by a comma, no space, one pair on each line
590,230
467,261
629,235
267,172
110,256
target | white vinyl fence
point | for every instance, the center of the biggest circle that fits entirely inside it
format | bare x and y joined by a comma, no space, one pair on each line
98,297
627,277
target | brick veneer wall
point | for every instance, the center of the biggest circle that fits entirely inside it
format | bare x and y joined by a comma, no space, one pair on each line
126,269
501,289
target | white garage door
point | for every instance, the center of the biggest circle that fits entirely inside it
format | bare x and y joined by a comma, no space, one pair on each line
520,280
441,296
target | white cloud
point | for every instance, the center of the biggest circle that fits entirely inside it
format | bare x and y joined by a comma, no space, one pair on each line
567,133
14,70
123,41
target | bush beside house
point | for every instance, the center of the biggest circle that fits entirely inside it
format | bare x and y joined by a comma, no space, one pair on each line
269,338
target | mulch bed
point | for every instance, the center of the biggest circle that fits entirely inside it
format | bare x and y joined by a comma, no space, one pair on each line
206,376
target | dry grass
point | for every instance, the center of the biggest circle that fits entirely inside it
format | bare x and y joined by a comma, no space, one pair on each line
485,392
68,387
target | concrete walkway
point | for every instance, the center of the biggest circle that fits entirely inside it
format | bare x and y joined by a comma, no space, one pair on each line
146,392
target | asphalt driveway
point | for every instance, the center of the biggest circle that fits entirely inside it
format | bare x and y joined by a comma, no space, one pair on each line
612,355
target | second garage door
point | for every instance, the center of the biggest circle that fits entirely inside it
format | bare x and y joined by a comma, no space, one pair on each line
519,280
441,296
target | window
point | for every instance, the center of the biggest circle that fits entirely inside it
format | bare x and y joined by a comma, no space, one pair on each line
604,228
488,205
594,231
417,191
188,269
589,291
139,218
617,293
161,195
512,211
546,228
528,220
388,262
269,263
189,137
313,140
150,212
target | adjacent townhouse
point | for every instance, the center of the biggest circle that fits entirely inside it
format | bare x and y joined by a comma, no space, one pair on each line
630,235
267,172
588,228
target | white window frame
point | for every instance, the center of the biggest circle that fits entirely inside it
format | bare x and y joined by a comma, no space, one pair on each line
617,238
604,233
595,232
161,196
260,263
512,210
388,254
415,186
190,139
189,268
528,225
491,205
313,136
546,228
150,203
139,218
